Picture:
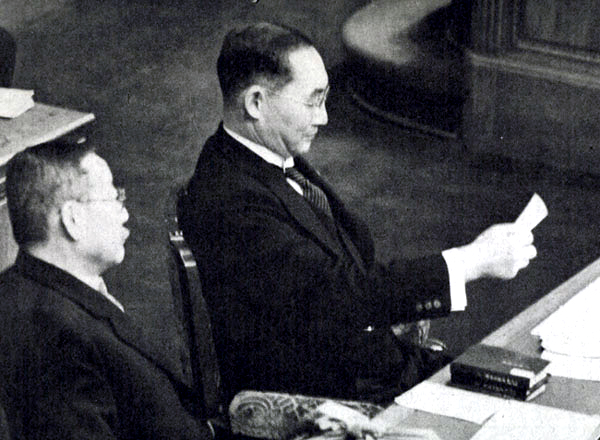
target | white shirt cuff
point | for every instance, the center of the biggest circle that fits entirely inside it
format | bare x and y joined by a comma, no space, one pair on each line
456,275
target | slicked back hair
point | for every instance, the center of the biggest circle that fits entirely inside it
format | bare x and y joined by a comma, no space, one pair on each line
257,54
40,179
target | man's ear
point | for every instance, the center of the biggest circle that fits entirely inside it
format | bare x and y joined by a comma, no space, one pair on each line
254,101
70,218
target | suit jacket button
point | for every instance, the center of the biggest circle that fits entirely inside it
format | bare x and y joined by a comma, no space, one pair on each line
428,305
419,307
437,303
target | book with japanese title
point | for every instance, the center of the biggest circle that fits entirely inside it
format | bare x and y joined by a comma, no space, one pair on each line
500,371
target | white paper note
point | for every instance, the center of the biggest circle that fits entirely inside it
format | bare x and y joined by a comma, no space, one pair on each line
14,102
533,214
451,402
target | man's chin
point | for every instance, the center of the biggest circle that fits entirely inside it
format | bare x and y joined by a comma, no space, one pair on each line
302,147
118,256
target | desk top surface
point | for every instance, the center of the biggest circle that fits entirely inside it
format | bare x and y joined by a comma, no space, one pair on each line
39,124
570,394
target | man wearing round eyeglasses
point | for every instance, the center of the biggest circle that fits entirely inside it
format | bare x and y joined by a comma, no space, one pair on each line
73,365
96,219
287,120
298,301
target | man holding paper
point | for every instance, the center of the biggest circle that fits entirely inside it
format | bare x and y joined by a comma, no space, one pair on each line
297,300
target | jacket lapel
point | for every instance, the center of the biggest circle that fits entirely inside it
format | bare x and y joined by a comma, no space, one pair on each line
99,307
131,334
337,207
273,177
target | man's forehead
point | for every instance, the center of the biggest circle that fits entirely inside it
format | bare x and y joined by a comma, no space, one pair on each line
308,70
97,170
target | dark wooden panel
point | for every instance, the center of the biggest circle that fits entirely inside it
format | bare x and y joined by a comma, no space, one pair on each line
567,28
526,110
565,24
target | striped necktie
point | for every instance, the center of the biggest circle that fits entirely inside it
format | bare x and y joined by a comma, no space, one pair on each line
315,195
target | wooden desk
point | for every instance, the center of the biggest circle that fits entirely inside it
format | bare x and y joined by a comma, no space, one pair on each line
574,395
39,124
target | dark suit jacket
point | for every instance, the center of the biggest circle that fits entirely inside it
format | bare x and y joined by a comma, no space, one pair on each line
74,366
299,304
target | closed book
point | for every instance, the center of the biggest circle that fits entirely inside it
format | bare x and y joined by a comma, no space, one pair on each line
496,389
483,363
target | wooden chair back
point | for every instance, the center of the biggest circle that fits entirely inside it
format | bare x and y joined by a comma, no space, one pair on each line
194,317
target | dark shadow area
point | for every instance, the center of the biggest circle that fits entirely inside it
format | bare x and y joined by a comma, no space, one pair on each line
391,97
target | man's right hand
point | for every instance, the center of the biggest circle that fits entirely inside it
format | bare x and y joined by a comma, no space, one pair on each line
498,252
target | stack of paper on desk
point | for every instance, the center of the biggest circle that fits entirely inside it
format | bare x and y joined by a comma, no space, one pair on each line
536,422
501,419
569,336
574,328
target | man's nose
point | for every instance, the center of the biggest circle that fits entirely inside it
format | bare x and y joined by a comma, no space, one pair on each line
320,116
124,214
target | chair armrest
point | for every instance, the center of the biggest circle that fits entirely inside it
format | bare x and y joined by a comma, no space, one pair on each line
278,416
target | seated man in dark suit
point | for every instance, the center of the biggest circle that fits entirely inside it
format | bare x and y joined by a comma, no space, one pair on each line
297,300
8,53
72,363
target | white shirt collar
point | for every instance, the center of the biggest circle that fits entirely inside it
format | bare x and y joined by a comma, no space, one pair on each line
99,286
104,291
95,282
263,152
